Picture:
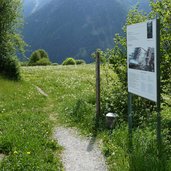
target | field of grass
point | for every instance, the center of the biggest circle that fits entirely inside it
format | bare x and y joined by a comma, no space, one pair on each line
27,117
27,120
65,85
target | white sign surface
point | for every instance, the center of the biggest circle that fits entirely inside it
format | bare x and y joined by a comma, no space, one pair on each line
141,59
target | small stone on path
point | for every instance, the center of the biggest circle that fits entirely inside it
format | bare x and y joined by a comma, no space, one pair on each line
80,154
1,156
41,91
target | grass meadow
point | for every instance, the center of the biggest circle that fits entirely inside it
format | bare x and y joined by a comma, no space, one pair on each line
28,118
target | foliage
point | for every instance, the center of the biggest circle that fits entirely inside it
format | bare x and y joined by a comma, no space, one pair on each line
82,113
118,56
102,55
80,61
24,63
43,61
39,57
162,10
10,39
12,68
115,148
114,98
69,61
142,156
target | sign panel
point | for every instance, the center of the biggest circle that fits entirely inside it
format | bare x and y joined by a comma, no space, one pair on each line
142,59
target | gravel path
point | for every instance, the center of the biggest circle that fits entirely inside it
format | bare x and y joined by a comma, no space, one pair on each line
80,154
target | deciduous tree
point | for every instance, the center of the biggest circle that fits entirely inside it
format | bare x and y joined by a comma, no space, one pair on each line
10,38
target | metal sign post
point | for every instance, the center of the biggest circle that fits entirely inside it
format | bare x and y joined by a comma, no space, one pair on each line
159,139
130,120
143,61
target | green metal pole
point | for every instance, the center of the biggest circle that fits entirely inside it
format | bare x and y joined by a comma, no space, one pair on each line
159,139
130,120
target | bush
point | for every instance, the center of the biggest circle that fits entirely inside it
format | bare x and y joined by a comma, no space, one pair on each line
24,63
43,61
69,61
80,61
39,57
10,67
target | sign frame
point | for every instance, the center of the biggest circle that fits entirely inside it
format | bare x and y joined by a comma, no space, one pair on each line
142,59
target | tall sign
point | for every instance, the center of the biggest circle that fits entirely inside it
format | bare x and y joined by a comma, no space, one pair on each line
143,62
142,59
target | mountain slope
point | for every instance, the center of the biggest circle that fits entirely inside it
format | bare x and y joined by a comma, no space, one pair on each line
74,27
32,6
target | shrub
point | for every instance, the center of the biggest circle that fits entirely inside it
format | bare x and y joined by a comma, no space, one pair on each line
82,113
80,61
39,57
69,61
24,63
10,67
43,61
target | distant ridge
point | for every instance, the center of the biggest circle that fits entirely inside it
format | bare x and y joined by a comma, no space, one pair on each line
74,28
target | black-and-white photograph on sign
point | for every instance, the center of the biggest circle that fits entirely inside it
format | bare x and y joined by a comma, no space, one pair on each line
141,59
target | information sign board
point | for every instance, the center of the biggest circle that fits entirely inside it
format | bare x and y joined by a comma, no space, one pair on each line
142,59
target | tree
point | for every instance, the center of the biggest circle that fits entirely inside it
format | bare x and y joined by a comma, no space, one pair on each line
39,57
117,56
10,38
162,9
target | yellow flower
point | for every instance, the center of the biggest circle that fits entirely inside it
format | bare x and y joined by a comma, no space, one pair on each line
28,152
15,152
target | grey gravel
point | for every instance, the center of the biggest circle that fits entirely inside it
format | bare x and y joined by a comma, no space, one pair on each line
80,154
2,157
40,91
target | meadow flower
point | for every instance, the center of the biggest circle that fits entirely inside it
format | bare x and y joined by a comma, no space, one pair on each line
28,152
15,152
